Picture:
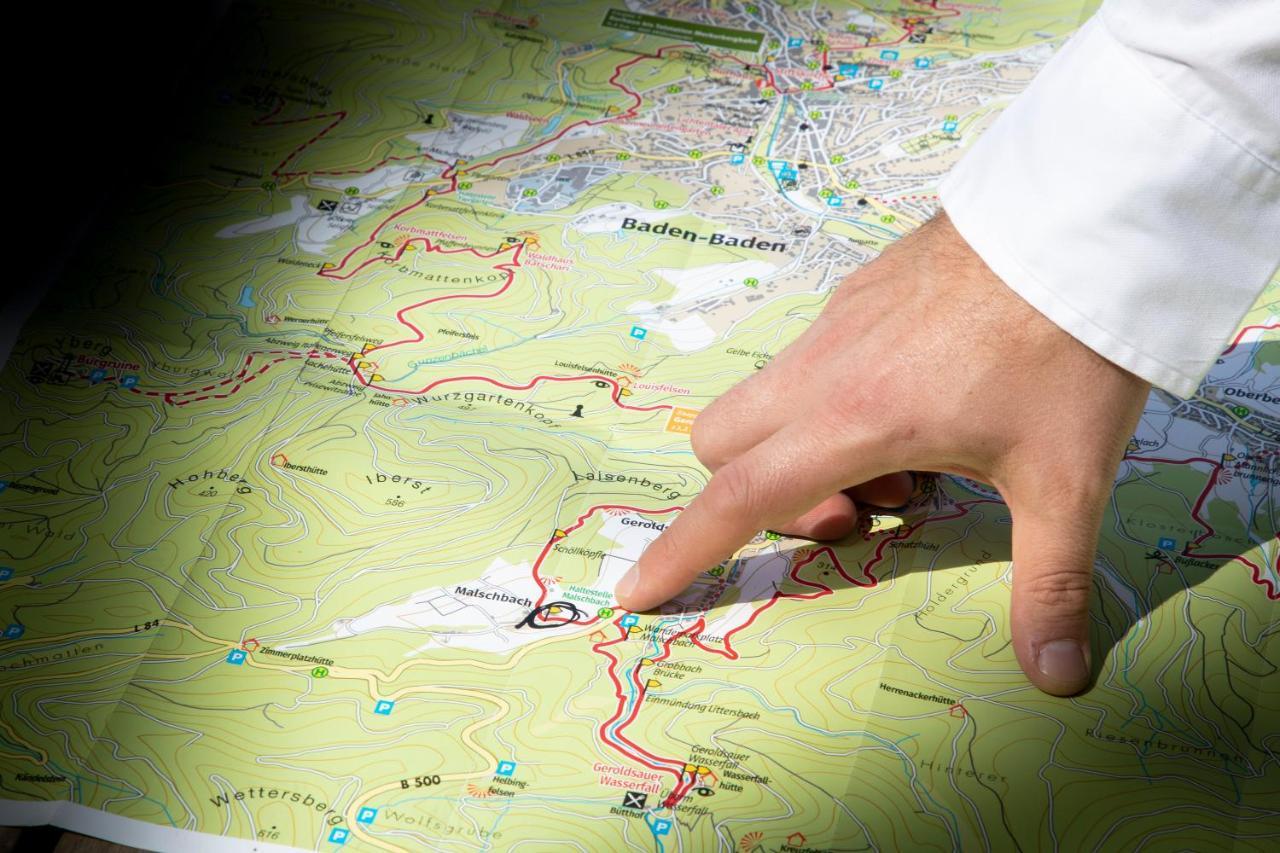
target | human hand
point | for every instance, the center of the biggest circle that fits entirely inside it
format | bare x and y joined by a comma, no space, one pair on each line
923,360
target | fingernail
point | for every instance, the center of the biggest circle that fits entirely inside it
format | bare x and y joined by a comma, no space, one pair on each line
626,584
1064,660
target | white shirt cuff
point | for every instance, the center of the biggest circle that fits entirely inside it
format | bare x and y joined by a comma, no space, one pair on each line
1122,215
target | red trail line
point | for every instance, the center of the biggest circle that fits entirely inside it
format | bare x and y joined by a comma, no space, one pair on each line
643,756
450,173
616,739
1240,335
174,398
582,519
685,781
419,336
868,580
1272,590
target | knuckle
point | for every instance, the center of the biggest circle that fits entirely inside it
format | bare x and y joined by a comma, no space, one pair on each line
1058,589
865,416
733,491
851,404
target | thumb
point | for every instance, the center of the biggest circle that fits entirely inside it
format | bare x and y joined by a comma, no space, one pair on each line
1055,538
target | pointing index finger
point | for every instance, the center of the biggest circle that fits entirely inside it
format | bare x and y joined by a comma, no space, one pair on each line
774,482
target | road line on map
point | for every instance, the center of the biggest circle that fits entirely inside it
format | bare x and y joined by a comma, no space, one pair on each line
1271,589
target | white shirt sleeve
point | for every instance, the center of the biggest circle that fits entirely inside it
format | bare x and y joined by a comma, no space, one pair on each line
1132,192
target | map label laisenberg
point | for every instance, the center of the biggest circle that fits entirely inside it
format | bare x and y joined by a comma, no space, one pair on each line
621,19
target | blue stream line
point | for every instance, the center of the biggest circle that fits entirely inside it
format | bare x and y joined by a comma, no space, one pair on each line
768,153
1164,725
656,649
78,794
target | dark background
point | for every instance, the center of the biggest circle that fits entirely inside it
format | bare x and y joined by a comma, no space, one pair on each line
90,89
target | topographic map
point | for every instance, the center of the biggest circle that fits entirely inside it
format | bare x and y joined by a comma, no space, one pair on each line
319,468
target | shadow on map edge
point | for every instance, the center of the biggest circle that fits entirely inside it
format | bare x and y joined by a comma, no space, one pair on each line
1150,576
